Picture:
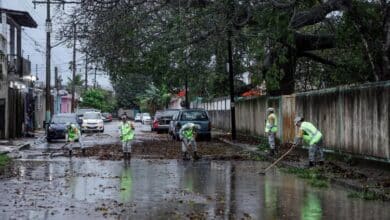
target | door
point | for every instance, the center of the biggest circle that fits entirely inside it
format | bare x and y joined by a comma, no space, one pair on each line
2,118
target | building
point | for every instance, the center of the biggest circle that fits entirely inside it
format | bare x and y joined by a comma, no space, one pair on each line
16,92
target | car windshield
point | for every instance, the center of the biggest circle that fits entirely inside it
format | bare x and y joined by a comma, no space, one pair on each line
92,115
145,114
194,116
84,110
169,113
62,119
138,115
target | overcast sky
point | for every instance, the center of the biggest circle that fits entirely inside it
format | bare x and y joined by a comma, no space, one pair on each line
34,45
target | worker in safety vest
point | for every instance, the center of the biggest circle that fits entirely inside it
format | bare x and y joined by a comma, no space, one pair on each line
271,127
187,135
312,137
73,134
126,130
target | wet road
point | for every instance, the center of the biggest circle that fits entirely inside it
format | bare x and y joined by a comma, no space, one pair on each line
86,188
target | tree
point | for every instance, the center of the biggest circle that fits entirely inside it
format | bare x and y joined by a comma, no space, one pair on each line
78,83
99,99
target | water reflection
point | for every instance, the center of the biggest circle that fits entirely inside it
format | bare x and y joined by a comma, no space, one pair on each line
163,188
126,184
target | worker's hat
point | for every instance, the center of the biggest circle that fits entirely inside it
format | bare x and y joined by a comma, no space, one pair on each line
298,119
270,110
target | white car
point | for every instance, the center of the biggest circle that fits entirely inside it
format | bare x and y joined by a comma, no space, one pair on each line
92,121
146,119
137,117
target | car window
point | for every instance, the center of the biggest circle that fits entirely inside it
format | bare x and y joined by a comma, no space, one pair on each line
170,113
92,115
63,119
194,116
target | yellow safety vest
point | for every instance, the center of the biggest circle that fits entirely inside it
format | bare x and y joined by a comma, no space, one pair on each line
269,127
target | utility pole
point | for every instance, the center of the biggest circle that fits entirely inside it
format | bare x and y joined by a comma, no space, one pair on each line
86,71
49,111
36,71
94,85
48,64
74,67
186,92
231,84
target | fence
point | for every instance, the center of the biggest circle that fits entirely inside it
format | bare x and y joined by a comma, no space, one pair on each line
352,119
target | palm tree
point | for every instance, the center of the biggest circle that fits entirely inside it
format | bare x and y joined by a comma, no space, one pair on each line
78,83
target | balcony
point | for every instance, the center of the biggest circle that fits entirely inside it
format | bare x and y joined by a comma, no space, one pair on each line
19,66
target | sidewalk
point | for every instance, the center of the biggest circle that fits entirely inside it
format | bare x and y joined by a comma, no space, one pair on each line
359,175
15,145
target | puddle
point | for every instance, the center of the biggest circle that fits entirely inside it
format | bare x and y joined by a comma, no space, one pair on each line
63,188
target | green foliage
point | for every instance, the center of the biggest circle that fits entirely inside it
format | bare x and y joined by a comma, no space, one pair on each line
99,99
154,98
4,160
77,82
365,195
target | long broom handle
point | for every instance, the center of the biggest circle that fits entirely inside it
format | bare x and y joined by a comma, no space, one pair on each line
280,158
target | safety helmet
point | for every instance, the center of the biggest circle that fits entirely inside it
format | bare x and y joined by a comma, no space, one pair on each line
298,119
270,110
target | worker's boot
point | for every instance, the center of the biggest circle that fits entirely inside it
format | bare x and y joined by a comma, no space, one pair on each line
83,151
185,156
311,164
271,153
129,155
70,153
196,156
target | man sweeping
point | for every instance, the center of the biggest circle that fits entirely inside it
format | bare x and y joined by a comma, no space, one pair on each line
187,136
312,137
126,130
73,133
271,128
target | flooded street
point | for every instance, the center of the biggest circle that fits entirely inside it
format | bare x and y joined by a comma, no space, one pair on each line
59,187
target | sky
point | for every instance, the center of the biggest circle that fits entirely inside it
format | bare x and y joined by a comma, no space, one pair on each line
34,45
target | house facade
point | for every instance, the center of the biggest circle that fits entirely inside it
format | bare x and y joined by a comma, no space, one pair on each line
16,92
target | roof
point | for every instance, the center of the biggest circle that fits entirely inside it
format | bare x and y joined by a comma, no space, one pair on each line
23,18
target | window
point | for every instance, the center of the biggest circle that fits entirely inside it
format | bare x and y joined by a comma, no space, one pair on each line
194,116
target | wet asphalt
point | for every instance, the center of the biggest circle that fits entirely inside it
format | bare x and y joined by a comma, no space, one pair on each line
51,185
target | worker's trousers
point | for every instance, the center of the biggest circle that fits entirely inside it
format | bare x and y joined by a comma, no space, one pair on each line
185,143
316,150
271,139
72,144
126,146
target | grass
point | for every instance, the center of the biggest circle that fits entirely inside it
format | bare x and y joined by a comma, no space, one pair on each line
314,177
4,160
366,195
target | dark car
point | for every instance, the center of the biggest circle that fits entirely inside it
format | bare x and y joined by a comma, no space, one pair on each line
58,125
163,119
196,116
107,117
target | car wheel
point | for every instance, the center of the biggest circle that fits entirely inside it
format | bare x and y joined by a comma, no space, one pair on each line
158,131
48,140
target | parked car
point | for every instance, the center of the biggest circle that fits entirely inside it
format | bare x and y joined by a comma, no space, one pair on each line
161,123
58,125
92,121
107,117
80,112
196,116
145,118
137,117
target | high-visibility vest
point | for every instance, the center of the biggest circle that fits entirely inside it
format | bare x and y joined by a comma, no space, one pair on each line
311,134
188,133
269,127
73,133
126,132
